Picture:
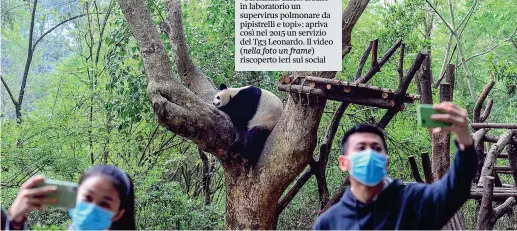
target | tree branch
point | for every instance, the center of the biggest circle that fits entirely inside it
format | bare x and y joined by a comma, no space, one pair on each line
485,215
337,194
494,125
401,91
441,17
363,60
444,65
453,31
477,108
56,26
486,112
27,63
193,77
284,201
351,14
414,169
373,70
177,108
504,208
491,48
9,91
465,19
400,68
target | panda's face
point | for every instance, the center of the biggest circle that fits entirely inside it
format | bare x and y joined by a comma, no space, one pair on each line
222,98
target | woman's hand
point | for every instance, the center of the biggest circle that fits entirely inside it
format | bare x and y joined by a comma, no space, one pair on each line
30,198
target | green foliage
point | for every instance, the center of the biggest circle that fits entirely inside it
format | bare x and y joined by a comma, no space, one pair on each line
163,205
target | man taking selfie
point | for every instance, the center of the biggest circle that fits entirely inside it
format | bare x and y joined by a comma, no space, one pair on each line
375,201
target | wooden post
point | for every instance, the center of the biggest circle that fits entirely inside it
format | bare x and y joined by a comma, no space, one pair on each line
485,215
441,142
512,157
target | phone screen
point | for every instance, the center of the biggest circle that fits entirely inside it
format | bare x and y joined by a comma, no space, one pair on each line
424,112
65,195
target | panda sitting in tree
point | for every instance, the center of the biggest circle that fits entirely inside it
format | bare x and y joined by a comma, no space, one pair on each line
254,112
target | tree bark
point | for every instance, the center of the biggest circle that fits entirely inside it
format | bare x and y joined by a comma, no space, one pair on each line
441,142
479,103
512,157
494,125
424,82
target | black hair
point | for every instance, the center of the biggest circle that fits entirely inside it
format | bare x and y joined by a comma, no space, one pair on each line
362,128
124,186
4,219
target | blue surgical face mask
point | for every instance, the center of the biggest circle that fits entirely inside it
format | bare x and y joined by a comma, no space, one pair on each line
368,167
89,216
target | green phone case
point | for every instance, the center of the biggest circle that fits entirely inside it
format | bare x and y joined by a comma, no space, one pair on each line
424,117
66,193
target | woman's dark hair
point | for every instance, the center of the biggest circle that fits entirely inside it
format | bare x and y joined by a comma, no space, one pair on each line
362,128
4,219
124,186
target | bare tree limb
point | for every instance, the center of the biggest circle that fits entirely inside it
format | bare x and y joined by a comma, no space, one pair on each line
441,17
494,125
491,48
468,74
304,177
56,26
481,100
504,208
337,194
459,44
384,59
401,90
494,139
400,68
486,112
363,60
485,216
8,91
193,77
445,58
351,14
414,169
465,19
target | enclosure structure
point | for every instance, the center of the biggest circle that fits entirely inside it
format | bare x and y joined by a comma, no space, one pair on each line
483,190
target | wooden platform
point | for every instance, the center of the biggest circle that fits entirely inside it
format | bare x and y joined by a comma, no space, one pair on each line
344,91
500,193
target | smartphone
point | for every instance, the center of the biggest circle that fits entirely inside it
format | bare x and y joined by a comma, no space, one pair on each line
424,112
65,195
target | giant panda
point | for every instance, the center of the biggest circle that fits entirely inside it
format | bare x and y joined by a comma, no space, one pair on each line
253,111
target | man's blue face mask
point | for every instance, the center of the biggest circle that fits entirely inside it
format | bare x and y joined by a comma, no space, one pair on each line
368,166
89,216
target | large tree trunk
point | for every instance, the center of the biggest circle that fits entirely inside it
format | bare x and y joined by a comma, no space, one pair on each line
252,193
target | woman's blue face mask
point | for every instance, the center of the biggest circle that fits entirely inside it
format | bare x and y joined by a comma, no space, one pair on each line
89,216
368,166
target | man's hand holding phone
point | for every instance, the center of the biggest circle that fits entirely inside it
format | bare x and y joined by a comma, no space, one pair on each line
457,118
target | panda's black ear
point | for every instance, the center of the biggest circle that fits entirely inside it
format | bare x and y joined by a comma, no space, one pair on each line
222,86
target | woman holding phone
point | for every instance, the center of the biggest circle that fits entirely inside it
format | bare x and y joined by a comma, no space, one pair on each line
105,200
